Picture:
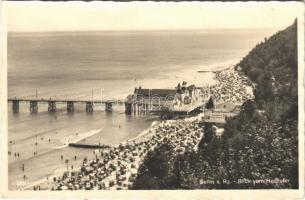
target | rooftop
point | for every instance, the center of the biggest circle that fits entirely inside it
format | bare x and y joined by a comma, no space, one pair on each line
155,92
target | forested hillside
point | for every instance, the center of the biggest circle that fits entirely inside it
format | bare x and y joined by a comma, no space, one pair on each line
272,65
259,147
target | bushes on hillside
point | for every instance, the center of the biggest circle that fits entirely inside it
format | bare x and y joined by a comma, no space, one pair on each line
258,150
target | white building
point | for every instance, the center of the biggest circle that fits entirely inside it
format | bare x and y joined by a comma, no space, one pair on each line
187,95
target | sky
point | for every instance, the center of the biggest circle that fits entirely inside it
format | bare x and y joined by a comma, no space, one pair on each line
96,16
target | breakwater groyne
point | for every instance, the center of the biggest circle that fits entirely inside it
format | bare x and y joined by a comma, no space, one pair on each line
89,146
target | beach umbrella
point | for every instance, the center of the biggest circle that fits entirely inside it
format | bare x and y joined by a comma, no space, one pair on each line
89,169
64,187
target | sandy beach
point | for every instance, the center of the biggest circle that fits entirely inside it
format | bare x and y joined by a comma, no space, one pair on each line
116,167
193,97
47,182
128,154
181,63
48,161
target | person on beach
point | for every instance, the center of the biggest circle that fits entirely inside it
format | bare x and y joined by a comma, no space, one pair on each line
49,140
71,167
22,167
75,157
15,155
18,154
61,157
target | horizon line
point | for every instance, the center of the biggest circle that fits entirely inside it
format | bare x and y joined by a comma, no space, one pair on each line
144,30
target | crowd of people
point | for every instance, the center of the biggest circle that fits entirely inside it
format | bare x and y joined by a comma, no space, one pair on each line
116,167
231,87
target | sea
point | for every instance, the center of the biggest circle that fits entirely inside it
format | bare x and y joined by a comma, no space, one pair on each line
100,65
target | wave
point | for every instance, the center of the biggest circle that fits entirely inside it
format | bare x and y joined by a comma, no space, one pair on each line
142,134
76,138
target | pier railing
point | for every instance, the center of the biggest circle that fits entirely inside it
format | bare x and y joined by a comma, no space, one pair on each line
33,103
134,104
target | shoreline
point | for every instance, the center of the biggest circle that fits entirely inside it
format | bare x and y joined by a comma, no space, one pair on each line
149,136
216,70
50,159
143,136
74,139
58,172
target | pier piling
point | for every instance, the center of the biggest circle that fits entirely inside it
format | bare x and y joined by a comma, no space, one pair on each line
128,108
108,107
33,106
70,106
52,106
147,108
134,108
138,109
15,106
89,107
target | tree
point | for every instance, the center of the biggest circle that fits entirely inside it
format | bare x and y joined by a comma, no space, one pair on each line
253,146
209,104
248,109
154,172
208,134
144,181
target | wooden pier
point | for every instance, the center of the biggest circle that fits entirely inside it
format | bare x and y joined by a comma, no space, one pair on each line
132,106
89,105
142,102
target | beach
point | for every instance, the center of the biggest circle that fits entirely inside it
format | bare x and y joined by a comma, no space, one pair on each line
116,167
48,158
124,157
92,74
231,87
